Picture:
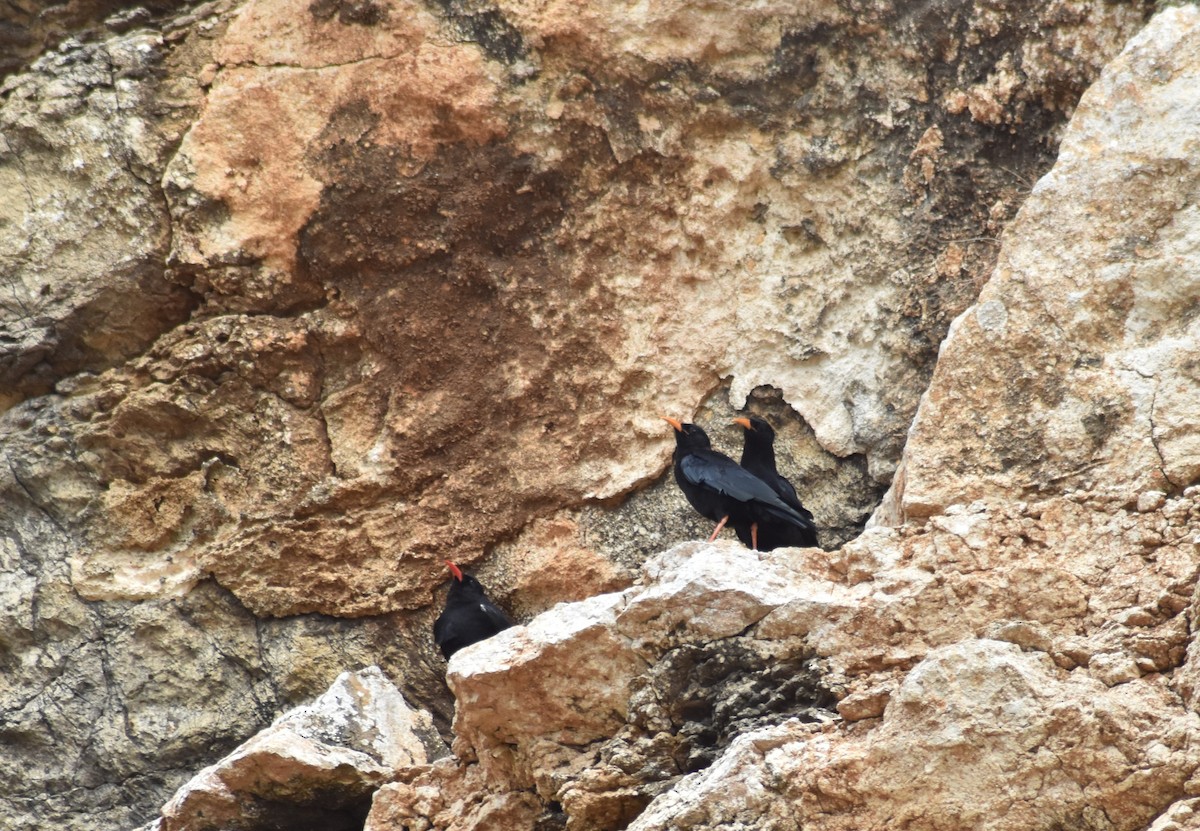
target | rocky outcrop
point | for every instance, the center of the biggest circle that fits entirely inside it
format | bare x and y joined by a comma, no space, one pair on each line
1016,654
83,233
316,765
980,734
300,298
932,676
1077,367
31,28
367,340
982,668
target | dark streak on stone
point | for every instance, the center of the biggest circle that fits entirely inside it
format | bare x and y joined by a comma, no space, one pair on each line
475,22
717,691
349,12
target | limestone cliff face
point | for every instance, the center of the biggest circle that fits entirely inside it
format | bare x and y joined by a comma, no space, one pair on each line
300,298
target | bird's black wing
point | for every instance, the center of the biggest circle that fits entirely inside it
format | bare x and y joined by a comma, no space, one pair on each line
468,624
444,629
496,617
447,635
724,475
792,499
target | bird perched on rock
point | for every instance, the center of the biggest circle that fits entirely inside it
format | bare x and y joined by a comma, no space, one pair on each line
721,490
758,457
469,617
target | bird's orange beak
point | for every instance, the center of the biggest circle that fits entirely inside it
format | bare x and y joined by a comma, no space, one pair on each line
745,422
674,422
455,570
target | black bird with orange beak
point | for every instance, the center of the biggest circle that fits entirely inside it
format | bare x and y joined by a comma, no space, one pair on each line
469,616
721,490
758,457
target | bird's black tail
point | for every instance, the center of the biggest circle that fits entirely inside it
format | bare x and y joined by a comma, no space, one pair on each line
785,513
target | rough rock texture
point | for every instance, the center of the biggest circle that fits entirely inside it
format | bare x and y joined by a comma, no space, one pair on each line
83,231
316,765
979,734
987,668
1077,368
1017,654
298,298
109,707
29,26
442,268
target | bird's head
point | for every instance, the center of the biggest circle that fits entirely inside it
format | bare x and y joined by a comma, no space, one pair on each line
756,426
464,584
688,435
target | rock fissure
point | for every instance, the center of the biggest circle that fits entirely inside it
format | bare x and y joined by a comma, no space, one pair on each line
1162,460
112,693
33,499
369,59
58,672
32,203
515,254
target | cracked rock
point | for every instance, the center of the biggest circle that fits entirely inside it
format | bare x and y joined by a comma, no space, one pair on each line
318,764
298,298
1092,384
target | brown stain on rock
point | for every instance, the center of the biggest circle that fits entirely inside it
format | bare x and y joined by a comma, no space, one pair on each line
500,273
449,275
349,12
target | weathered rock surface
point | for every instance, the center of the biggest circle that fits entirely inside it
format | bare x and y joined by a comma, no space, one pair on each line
987,668
298,298
979,734
1016,654
1077,367
83,233
443,268
317,765
29,28
110,706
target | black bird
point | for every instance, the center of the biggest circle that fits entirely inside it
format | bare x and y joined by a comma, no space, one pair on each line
721,490
469,617
758,457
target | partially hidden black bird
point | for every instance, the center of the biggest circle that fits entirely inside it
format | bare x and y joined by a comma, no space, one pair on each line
469,616
758,457
721,490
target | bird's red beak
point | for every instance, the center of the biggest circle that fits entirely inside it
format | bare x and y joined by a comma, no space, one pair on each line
455,570
674,422
745,422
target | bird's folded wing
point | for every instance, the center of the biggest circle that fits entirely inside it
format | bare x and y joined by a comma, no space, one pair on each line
443,630
728,478
497,617
792,499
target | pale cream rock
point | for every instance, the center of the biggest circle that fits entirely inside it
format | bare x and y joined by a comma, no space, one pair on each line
1071,368
324,756
565,677
699,591
936,759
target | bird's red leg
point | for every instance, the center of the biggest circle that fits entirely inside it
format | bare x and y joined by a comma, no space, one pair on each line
717,530
754,536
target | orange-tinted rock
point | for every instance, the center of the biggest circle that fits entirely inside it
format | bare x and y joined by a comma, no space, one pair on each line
301,297
501,244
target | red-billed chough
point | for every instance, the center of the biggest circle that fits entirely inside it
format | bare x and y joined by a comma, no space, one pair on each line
758,457
720,489
469,617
